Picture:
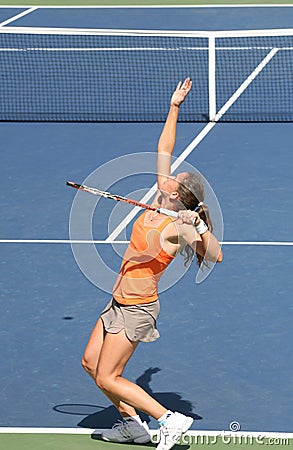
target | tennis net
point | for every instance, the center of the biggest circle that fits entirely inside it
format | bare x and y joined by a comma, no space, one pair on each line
73,75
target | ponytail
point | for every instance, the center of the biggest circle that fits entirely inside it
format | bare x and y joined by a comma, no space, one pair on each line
191,192
204,214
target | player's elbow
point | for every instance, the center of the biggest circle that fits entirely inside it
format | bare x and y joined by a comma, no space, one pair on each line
220,257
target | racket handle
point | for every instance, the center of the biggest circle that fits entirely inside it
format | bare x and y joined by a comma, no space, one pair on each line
168,212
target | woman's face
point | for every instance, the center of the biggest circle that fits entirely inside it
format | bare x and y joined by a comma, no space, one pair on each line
171,183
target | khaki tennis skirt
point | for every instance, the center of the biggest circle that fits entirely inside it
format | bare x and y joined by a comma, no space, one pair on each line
138,321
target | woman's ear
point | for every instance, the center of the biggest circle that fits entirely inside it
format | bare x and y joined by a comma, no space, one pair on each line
174,195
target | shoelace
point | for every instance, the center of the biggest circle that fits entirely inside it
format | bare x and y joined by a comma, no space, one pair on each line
121,427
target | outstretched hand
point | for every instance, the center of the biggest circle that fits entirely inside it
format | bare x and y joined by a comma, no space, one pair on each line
181,92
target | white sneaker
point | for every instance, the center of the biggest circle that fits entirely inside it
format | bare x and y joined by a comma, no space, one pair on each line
129,431
174,426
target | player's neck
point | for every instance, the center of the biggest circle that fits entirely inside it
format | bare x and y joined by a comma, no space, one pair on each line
167,204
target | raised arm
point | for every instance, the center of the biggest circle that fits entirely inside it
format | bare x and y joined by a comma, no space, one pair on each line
168,136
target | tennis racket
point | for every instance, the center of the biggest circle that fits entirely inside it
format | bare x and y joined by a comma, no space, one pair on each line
119,198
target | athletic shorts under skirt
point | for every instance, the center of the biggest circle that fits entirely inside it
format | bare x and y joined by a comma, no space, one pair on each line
138,321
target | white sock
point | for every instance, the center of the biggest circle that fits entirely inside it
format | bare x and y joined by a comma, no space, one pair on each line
133,418
164,417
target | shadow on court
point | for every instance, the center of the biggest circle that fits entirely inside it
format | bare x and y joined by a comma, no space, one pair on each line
97,437
105,417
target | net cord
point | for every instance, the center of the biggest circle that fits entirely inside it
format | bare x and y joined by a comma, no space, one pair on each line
155,33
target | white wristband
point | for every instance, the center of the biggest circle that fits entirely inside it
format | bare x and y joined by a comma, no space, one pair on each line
201,228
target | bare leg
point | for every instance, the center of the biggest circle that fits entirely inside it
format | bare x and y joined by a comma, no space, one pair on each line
114,354
90,362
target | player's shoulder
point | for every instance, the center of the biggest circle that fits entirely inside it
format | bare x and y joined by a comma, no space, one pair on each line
176,226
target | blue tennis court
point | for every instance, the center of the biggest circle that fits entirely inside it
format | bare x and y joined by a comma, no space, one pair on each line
224,354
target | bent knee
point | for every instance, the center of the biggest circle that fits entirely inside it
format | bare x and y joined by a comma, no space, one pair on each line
101,382
104,382
88,364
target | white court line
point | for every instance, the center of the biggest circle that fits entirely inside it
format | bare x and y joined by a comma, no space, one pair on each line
100,241
58,241
132,49
107,49
267,243
89,431
115,233
149,33
18,16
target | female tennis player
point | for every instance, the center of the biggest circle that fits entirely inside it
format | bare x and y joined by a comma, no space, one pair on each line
131,315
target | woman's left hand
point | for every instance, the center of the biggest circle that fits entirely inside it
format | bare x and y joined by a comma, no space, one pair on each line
189,217
181,92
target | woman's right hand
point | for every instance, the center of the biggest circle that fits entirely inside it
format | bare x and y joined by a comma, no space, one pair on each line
189,217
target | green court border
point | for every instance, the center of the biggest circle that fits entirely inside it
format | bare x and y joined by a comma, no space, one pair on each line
77,442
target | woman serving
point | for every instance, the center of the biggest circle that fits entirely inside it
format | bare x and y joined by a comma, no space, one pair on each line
131,315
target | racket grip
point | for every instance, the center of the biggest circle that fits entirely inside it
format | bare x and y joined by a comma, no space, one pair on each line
168,212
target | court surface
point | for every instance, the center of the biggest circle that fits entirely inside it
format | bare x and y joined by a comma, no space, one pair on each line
225,349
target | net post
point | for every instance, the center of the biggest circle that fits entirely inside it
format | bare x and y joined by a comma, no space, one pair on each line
212,77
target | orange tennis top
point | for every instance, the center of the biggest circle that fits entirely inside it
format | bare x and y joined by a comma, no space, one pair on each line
143,264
